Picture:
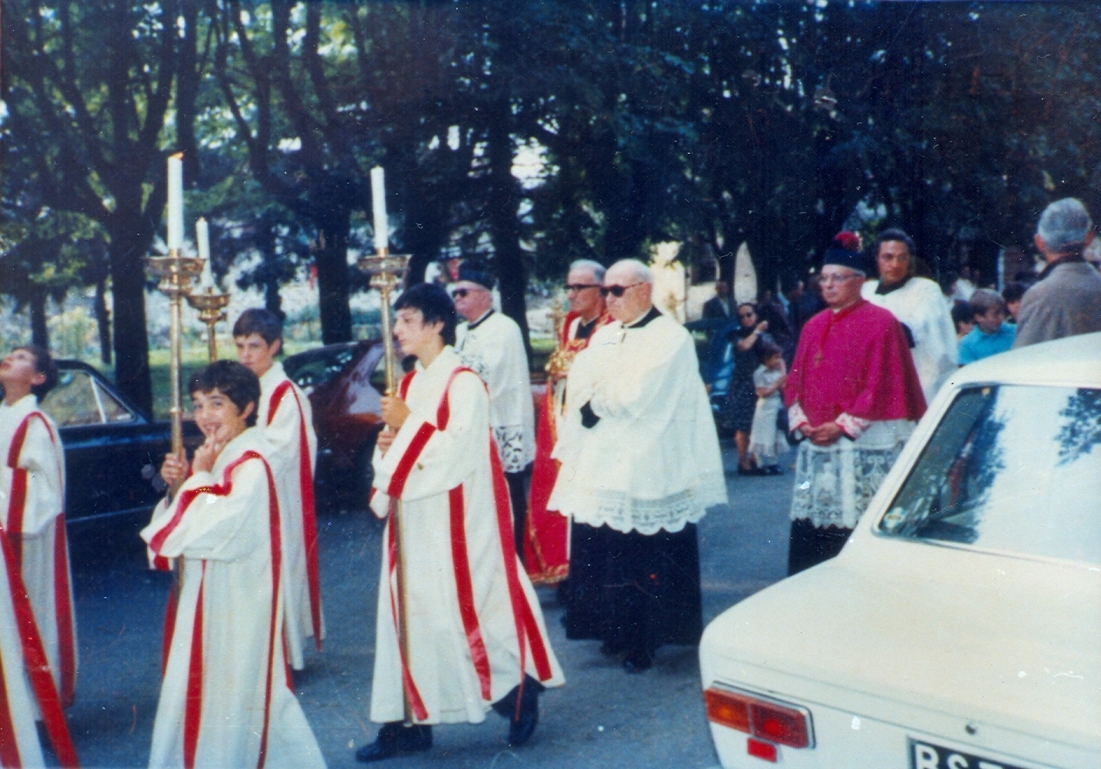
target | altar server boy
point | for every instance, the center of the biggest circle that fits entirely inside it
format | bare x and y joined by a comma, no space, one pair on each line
225,698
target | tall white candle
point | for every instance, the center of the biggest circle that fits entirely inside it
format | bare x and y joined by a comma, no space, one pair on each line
175,201
202,240
378,208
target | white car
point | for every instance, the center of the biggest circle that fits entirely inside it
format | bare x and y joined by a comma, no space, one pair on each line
960,627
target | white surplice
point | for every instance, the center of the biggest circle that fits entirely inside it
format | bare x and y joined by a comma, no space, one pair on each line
32,504
282,422
494,348
652,461
464,586
225,694
920,304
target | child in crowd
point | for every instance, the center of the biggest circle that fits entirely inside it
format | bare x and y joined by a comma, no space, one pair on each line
991,334
765,440
962,318
225,694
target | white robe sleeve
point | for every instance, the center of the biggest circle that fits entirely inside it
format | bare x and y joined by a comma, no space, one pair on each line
423,460
282,432
219,523
44,499
632,386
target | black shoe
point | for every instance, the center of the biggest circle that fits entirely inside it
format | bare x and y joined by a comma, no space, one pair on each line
748,470
772,470
522,727
637,661
394,738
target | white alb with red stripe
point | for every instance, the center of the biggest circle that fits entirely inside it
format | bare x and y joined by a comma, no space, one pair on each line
286,421
32,506
226,698
474,622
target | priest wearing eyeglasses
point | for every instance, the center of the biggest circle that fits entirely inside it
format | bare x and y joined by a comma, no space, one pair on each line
491,344
640,466
853,395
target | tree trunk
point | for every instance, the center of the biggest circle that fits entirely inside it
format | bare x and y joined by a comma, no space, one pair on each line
103,322
504,206
333,221
40,334
130,237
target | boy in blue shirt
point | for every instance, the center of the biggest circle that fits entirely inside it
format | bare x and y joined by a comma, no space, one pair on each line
991,334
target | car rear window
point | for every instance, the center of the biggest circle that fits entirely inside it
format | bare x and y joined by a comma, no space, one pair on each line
1013,469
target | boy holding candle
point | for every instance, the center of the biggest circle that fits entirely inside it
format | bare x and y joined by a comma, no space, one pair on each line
225,698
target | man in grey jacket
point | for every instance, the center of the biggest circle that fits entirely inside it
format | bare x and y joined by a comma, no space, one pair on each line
1066,300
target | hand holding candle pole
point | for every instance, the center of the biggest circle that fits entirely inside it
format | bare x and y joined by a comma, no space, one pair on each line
175,201
378,209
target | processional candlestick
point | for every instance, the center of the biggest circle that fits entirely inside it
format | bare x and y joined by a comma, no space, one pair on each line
176,273
387,271
211,309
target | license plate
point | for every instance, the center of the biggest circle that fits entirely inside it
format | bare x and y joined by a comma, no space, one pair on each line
923,755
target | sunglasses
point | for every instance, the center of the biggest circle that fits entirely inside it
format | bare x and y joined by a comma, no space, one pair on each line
460,293
581,286
616,291
746,314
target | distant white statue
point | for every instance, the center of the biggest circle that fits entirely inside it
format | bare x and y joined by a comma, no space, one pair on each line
670,280
745,276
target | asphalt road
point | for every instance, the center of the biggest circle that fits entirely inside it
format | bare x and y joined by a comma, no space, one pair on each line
602,717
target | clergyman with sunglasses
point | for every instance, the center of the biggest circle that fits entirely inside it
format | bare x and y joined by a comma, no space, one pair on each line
640,466
490,343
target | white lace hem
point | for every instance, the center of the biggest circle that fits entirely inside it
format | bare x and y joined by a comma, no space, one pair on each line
623,513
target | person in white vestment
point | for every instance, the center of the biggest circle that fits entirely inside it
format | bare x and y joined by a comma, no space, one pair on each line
640,466
226,699
490,343
474,632
917,303
32,506
284,416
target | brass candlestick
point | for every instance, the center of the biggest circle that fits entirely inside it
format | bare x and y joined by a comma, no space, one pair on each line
211,309
176,273
386,271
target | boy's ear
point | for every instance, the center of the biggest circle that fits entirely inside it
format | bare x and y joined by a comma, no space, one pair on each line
246,412
37,378
276,346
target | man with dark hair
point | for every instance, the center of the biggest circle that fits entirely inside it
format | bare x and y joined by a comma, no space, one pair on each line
1066,298
919,305
1013,293
853,395
286,420
474,632
32,506
490,343
225,696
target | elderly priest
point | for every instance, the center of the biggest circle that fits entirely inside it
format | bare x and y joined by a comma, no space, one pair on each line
640,466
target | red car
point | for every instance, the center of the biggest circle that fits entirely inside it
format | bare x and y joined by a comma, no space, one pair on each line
344,383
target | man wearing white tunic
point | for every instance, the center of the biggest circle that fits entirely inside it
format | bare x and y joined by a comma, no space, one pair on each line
490,343
225,698
640,466
32,505
474,632
286,420
919,304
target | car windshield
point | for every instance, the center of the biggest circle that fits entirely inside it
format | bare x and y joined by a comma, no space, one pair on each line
1012,469
315,368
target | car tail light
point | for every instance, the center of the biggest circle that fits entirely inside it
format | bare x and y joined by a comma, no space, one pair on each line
763,718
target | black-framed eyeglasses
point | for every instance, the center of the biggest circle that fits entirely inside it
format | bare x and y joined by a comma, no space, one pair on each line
460,293
616,291
749,314
581,286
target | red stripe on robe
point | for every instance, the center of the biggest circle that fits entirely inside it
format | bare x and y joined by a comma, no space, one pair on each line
63,596
464,588
193,703
309,507
416,704
9,746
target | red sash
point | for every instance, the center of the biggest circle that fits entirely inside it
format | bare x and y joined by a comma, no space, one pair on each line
193,706
309,510
63,596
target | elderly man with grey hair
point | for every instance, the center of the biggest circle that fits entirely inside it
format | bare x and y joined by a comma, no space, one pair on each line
1066,300
640,466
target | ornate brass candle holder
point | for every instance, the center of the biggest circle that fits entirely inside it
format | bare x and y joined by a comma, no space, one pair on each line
211,309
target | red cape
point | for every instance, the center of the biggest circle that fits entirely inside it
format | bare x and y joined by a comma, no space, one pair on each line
857,362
